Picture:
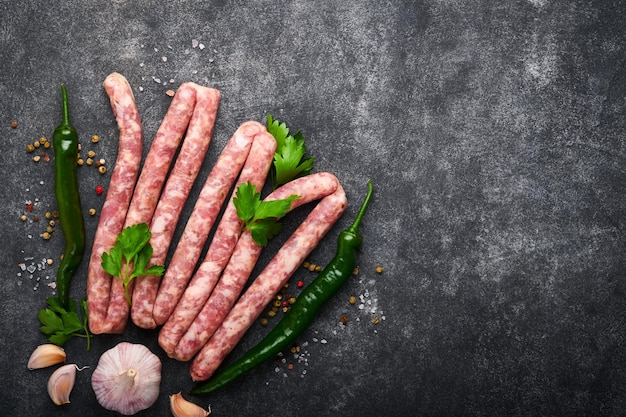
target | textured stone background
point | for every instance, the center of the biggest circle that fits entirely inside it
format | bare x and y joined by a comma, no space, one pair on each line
494,133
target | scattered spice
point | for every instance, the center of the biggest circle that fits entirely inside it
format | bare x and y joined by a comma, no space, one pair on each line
343,319
352,300
379,269
102,169
14,124
95,139
92,211
99,189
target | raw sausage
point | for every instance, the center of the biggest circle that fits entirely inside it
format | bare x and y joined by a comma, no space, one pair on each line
118,196
228,231
172,200
273,277
241,264
149,186
202,218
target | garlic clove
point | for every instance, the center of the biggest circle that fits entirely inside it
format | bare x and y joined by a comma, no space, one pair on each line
46,355
180,407
60,384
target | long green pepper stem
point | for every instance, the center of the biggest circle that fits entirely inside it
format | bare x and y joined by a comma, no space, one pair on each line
303,311
65,145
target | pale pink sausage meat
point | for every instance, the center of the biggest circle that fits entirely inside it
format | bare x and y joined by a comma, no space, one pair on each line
172,200
205,211
241,264
149,186
121,185
228,231
273,277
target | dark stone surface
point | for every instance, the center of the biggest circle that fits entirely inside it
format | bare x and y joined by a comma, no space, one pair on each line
494,133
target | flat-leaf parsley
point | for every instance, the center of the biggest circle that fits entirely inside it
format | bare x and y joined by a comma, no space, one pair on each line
260,217
130,255
289,162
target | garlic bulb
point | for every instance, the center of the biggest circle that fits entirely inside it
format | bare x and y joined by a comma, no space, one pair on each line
127,378
46,355
60,384
180,407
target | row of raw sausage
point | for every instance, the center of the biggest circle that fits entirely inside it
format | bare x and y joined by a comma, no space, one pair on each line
201,307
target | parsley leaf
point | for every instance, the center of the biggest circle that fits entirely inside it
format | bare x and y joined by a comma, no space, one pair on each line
60,325
130,255
290,150
260,217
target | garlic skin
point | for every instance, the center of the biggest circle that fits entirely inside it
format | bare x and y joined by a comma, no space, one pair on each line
60,384
180,407
127,378
46,355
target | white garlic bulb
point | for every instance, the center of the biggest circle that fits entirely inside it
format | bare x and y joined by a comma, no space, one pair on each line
180,407
127,378
46,355
60,384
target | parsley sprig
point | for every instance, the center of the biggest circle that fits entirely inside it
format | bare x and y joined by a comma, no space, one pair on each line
260,217
130,255
60,325
289,161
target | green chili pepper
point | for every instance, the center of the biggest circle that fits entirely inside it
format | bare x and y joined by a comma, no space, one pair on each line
303,311
65,145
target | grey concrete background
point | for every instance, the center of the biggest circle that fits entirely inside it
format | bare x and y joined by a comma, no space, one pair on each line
494,133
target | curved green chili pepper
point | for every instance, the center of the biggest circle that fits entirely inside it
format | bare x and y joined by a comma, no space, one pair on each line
65,145
303,311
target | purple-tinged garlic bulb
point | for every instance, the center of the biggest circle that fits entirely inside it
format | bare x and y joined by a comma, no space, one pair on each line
127,378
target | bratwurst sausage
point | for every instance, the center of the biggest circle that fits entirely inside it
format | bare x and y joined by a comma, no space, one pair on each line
115,207
267,284
255,170
172,200
241,264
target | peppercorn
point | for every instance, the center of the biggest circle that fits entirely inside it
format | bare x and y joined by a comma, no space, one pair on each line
306,264
13,124
95,139
45,235
264,321
30,147
102,169
24,218
89,161
356,271
318,268
343,319
92,211
36,158
36,144
300,284
375,320
91,154
99,189
352,300
271,313
379,269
